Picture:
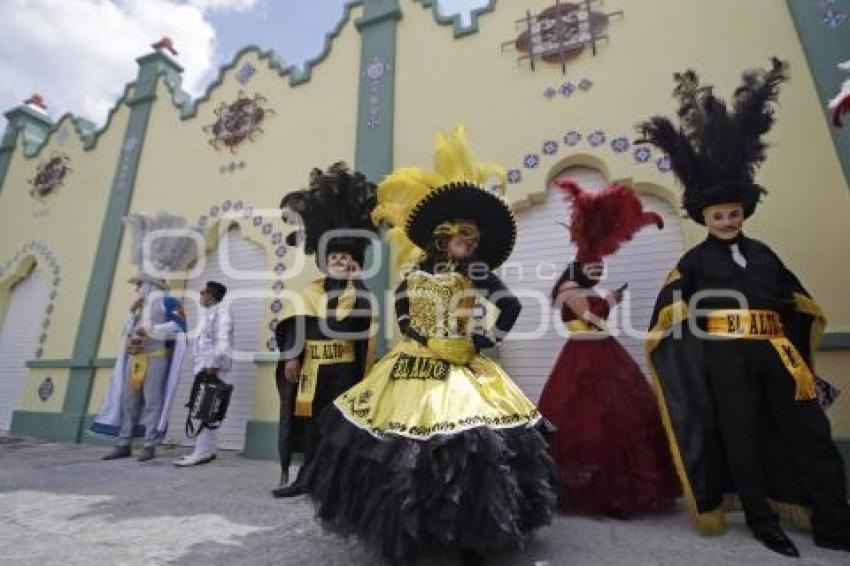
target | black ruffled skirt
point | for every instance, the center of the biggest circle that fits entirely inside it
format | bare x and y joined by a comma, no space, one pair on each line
482,489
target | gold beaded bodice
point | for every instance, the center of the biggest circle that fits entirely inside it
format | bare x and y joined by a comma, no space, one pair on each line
441,304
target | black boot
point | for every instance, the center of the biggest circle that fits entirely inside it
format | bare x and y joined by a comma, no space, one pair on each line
470,558
149,453
118,452
773,537
835,539
296,488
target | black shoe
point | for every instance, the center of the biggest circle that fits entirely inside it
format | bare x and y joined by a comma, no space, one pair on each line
149,453
470,558
773,537
833,544
294,489
118,452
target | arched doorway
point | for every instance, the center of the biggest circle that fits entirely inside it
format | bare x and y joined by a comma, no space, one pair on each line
236,252
19,332
542,252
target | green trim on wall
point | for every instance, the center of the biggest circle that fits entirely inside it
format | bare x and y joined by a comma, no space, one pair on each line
59,427
297,76
455,20
835,341
80,379
6,152
104,362
261,440
825,48
373,154
58,363
84,128
91,438
266,358
28,126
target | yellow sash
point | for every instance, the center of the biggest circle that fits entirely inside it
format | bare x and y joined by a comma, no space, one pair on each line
316,354
765,325
139,366
576,326
313,301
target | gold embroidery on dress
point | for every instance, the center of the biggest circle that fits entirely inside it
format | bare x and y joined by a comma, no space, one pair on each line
441,304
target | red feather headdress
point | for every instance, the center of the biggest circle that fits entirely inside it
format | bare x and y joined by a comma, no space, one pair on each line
600,222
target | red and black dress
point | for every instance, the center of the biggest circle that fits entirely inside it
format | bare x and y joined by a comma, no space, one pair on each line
610,445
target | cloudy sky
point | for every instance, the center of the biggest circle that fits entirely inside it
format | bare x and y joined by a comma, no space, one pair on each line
79,54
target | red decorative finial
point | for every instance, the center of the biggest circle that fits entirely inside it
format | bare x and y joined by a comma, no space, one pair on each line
165,43
36,100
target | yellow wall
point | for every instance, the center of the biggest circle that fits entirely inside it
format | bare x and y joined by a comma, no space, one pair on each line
312,125
68,221
805,216
30,401
507,117
441,81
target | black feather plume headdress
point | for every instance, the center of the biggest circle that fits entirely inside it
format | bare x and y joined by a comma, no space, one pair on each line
336,199
715,152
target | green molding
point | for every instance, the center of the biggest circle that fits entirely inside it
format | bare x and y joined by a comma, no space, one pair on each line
58,363
59,427
261,440
6,153
825,48
266,358
80,379
378,11
835,341
84,128
125,96
297,76
104,362
455,20
373,154
27,125
91,438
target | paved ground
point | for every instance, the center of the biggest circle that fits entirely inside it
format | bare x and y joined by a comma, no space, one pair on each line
59,504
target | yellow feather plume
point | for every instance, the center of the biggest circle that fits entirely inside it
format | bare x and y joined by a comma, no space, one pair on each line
399,192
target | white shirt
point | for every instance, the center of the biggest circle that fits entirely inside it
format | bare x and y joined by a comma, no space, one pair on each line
213,342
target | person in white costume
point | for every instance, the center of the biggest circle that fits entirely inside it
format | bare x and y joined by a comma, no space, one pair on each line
211,351
147,368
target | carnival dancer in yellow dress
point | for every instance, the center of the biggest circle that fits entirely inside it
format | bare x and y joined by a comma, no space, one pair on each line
437,452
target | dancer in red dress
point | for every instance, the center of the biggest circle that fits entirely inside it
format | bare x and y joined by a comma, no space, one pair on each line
610,444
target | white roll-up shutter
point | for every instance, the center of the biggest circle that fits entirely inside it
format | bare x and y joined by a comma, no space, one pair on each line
244,256
19,339
643,262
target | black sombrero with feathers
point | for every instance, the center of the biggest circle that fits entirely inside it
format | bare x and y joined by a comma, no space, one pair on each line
715,150
466,201
336,199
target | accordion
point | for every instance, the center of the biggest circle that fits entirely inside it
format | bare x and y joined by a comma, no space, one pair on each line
207,403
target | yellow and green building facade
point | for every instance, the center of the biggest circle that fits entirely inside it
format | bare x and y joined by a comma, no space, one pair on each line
392,73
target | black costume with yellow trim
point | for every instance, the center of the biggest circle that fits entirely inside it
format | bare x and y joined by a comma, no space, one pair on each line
329,326
737,418
329,364
733,335
437,451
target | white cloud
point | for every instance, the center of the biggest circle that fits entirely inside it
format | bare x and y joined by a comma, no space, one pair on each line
79,54
234,5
